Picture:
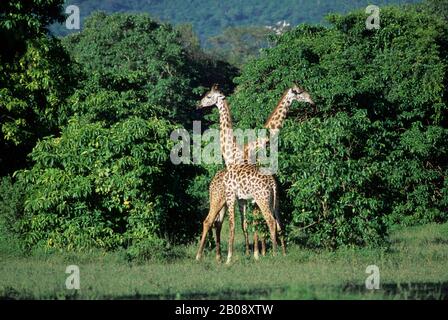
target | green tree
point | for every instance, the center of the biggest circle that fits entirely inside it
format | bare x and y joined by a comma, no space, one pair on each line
437,7
107,180
135,62
35,78
22,20
144,67
373,152
97,186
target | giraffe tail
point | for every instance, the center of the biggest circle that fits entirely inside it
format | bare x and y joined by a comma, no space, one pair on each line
277,219
275,202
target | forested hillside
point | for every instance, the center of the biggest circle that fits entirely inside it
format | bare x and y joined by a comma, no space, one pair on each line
210,18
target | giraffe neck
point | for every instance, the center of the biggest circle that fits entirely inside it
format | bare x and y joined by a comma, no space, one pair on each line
274,124
226,132
275,120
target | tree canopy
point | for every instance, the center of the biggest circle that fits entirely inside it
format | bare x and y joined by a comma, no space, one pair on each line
35,78
104,179
372,152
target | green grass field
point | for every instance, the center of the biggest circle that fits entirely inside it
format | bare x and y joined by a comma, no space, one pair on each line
414,266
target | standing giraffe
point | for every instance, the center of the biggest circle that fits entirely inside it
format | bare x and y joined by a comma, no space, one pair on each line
247,182
231,153
274,123
242,180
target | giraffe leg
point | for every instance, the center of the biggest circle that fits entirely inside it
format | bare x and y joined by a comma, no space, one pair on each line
218,226
230,201
256,211
243,206
256,251
278,224
282,237
270,221
263,246
215,207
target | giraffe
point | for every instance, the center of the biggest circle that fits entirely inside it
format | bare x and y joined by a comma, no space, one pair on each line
231,154
216,188
274,122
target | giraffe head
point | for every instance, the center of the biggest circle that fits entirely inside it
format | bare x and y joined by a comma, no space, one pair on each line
278,115
211,98
298,93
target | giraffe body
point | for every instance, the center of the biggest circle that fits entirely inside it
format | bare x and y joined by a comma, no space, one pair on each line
217,197
247,182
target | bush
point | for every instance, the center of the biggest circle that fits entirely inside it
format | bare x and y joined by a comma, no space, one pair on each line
333,190
11,203
104,187
11,210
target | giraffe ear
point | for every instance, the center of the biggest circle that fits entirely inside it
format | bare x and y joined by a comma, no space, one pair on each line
215,87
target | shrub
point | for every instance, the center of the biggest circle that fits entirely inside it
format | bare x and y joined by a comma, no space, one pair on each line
96,186
11,209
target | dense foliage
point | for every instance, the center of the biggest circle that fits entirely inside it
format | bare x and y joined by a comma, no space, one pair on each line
373,152
134,62
437,7
97,186
106,179
35,78
140,65
86,120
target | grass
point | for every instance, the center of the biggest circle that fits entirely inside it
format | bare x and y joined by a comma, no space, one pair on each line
413,267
